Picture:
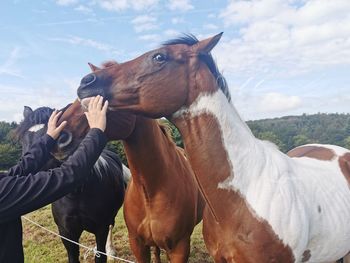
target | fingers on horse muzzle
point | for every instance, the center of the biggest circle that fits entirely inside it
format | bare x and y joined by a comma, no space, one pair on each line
64,139
90,86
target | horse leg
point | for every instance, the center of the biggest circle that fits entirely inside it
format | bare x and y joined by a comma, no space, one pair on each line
181,252
110,249
101,239
72,249
140,250
156,254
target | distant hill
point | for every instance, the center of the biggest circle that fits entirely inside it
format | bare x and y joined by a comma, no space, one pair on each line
291,131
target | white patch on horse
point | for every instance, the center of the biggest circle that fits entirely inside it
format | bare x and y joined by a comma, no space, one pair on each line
110,249
126,174
101,164
36,127
283,191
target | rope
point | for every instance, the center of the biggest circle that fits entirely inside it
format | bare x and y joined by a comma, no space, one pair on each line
88,249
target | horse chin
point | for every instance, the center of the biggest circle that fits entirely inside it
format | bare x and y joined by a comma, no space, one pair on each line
85,103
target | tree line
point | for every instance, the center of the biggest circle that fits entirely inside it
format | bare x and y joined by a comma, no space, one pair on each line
286,132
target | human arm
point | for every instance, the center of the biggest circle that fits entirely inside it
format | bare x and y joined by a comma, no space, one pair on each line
39,152
20,195
35,158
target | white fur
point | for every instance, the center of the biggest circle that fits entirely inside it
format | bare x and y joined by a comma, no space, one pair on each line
126,174
101,163
36,127
286,192
110,249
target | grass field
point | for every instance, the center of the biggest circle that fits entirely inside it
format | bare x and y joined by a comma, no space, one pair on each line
43,247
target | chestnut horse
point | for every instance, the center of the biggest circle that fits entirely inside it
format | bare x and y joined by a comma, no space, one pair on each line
263,206
162,202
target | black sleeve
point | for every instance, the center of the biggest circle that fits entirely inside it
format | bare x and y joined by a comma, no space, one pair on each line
35,158
22,194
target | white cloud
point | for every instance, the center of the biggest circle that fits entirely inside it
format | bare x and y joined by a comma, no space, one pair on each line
120,5
210,27
9,67
288,37
53,95
66,2
273,101
150,37
177,20
144,23
181,5
74,40
84,9
171,33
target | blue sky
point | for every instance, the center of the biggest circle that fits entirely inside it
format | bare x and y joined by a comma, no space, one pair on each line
280,57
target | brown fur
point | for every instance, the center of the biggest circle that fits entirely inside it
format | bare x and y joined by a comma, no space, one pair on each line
316,152
162,203
344,163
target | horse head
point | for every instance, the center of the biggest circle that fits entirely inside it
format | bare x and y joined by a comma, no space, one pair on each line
159,82
119,124
33,126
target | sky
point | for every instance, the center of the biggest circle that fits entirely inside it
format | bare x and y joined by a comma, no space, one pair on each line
279,57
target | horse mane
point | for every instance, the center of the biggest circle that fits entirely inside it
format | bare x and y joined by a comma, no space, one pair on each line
39,116
109,63
108,161
190,40
166,131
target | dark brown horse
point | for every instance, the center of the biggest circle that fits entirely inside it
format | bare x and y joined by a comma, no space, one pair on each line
162,203
263,206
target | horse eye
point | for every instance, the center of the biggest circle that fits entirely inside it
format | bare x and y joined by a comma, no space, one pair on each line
159,57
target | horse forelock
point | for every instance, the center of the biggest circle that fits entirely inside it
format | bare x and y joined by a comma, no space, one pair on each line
109,63
190,40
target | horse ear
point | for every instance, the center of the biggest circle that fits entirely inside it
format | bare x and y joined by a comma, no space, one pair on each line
93,67
206,45
27,111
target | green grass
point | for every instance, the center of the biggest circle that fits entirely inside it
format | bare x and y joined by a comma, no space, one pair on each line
43,247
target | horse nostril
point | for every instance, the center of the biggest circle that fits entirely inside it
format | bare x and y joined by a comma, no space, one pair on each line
87,80
65,139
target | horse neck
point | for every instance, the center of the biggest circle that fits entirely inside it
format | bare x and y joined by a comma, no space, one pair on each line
219,144
151,156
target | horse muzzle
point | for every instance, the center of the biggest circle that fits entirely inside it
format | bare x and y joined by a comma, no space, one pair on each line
91,86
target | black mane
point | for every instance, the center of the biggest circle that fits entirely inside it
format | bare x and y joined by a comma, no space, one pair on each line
190,40
39,116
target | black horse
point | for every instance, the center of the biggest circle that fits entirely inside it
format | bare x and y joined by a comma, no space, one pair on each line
94,205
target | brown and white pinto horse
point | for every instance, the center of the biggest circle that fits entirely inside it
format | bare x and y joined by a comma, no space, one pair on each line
162,204
264,206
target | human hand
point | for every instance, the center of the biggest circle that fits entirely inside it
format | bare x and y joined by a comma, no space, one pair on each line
96,114
52,129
